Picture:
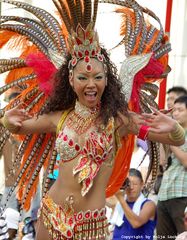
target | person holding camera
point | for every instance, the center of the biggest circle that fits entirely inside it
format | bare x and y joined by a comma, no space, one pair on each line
134,214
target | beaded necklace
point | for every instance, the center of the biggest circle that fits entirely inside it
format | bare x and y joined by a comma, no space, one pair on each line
82,117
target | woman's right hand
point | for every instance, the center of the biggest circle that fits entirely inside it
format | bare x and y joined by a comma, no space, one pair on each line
14,118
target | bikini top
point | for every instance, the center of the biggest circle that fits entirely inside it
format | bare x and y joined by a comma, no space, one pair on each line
96,147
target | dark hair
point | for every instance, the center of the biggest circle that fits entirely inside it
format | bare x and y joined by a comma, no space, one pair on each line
136,173
182,99
113,98
178,90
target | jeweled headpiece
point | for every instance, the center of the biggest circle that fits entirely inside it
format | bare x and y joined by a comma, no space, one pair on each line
84,44
79,19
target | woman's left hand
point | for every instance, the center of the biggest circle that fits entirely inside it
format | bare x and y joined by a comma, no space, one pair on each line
159,122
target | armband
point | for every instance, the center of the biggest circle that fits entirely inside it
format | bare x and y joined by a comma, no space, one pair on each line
143,131
12,128
178,134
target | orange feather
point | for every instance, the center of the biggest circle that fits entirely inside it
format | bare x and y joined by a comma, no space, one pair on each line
121,166
5,36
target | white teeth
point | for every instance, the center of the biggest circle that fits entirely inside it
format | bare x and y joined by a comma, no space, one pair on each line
90,94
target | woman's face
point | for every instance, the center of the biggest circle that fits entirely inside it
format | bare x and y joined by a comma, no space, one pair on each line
89,86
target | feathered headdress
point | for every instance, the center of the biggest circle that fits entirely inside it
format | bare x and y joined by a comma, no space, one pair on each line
45,41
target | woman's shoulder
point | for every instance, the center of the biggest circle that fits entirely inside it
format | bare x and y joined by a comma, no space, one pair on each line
53,117
60,118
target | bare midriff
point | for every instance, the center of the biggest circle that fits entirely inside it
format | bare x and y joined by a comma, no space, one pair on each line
67,185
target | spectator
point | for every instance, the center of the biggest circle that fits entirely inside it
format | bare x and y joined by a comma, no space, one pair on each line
165,161
172,196
134,215
173,93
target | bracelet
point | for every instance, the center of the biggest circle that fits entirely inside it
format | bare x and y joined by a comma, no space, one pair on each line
178,134
12,128
143,131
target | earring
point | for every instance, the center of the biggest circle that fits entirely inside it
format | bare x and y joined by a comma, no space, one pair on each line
105,70
70,74
71,79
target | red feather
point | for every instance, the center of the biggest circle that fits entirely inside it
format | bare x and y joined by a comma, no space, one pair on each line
153,68
44,70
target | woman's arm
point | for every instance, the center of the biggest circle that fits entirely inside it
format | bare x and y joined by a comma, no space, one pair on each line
161,127
18,121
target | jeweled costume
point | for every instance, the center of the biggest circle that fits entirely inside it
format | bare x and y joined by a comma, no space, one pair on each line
97,148
51,39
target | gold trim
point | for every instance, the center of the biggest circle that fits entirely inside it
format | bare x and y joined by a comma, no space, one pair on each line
178,134
11,127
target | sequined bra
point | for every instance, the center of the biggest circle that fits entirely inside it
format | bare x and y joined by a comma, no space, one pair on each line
95,149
